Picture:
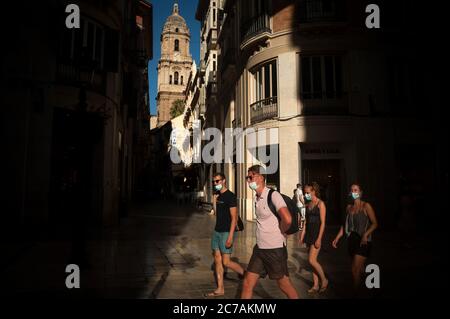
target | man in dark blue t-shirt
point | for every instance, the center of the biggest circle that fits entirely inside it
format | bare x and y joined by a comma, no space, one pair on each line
223,236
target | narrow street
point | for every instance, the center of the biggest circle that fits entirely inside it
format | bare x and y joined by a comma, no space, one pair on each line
114,112
162,250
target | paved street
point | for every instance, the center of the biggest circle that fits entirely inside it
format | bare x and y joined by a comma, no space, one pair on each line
162,250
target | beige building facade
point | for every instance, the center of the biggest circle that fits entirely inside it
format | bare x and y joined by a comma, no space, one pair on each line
335,93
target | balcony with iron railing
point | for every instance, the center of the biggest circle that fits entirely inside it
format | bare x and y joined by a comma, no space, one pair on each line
255,27
203,65
211,86
263,110
212,77
211,39
325,103
321,11
76,75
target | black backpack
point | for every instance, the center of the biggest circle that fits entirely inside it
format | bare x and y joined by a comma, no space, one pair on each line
293,209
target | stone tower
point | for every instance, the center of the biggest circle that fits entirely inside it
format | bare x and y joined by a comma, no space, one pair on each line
174,65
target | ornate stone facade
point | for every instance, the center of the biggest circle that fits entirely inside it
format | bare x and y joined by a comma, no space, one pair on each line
174,65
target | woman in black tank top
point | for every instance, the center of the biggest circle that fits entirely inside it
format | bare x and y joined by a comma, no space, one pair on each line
312,234
360,222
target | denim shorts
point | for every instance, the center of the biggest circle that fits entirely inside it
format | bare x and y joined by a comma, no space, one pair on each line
219,240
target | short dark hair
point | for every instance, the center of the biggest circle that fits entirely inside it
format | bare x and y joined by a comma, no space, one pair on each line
222,175
359,186
299,185
258,169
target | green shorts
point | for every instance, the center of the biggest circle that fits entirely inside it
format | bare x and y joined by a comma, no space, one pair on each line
219,240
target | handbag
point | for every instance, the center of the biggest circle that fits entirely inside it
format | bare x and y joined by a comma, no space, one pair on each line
240,224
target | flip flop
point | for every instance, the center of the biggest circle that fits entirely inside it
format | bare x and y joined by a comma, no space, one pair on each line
313,290
213,294
324,288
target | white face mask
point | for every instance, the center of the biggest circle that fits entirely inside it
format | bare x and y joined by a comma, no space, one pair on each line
218,187
253,186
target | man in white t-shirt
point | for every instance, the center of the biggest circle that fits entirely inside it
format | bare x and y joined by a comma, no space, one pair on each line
300,204
269,254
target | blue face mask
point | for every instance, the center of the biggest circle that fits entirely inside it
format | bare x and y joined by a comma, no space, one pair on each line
308,197
218,187
355,195
253,186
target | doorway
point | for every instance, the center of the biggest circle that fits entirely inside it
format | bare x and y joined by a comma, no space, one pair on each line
76,168
327,173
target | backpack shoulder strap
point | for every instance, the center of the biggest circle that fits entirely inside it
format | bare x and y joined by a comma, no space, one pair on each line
270,204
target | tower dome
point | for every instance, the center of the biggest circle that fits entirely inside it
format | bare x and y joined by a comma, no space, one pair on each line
175,22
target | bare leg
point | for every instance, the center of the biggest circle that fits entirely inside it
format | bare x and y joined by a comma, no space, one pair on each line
318,271
249,284
358,263
315,286
219,272
286,286
231,264
315,279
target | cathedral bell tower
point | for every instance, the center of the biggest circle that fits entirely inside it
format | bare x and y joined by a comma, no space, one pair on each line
174,65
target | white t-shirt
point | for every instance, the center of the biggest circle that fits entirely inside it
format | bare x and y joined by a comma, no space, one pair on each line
268,233
298,195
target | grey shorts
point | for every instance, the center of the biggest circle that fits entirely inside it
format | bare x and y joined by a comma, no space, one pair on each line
272,262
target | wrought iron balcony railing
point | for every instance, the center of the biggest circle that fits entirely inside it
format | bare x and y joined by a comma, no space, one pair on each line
321,10
255,26
263,110
76,75
325,103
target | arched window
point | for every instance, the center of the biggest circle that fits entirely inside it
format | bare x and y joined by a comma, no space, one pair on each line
176,30
181,80
177,45
176,78
170,79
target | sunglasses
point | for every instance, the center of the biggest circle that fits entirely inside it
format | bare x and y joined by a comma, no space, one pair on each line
216,181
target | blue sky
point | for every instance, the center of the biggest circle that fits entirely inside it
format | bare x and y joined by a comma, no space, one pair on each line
161,10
